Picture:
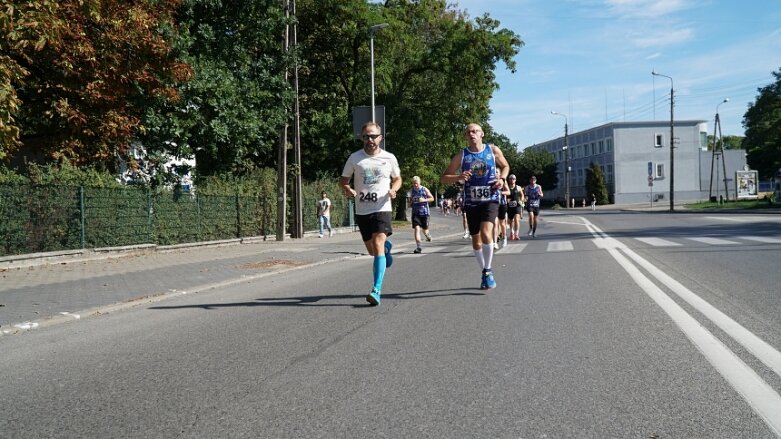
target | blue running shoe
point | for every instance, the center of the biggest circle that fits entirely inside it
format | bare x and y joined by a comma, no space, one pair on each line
388,257
374,297
483,285
489,279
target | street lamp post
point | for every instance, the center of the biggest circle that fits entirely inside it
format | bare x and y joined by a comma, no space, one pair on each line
566,157
373,31
672,141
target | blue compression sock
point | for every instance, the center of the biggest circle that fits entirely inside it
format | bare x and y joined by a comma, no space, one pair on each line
379,271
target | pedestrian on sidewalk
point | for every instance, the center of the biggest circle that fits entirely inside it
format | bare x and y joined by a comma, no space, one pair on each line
593,202
483,168
376,177
417,199
324,214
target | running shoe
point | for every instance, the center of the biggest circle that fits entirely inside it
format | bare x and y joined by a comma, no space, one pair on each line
466,235
489,279
417,250
374,297
504,242
483,285
428,236
388,257
531,233
331,233
321,235
496,246
534,234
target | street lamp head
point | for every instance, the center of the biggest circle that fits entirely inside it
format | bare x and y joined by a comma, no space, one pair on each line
373,30
725,100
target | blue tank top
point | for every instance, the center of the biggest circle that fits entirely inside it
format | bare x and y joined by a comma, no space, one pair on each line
479,188
419,208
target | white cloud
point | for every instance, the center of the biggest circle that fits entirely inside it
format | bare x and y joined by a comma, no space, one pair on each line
662,38
645,8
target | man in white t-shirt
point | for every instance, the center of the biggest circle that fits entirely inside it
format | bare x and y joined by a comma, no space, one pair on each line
324,214
376,177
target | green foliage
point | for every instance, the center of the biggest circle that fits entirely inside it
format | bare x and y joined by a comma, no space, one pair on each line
93,67
541,164
762,122
434,74
729,142
595,184
230,111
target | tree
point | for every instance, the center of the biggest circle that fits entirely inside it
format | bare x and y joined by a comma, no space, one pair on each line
729,142
238,98
434,74
89,68
762,122
595,184
538,163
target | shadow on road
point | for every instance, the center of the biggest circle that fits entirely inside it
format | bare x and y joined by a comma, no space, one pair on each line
328,300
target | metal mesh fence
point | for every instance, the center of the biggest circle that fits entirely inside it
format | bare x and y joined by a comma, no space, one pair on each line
54,218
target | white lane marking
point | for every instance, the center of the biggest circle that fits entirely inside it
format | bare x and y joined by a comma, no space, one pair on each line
564,222
760,396
758,347
764,239
75,316
745,219
658,242
26,325
713,241
512,249
560,246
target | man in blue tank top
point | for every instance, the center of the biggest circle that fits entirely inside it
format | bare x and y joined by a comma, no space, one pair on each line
482,168
418,198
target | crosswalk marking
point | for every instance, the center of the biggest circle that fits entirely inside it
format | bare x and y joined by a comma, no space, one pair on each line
515,248
713,241
765,239
658,242
560,246
512,249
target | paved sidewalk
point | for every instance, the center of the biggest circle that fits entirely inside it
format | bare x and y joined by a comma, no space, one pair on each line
56,288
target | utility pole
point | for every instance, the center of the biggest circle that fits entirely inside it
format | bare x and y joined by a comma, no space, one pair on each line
672,141
298,230
566,157
718,153
282,150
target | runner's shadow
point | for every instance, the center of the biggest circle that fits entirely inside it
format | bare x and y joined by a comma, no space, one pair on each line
327,300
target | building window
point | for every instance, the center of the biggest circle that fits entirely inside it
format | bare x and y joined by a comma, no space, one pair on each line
659,170
593,148
609,145
601,146
703,140
609,174
658,140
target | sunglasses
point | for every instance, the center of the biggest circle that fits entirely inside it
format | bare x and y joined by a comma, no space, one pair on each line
366,137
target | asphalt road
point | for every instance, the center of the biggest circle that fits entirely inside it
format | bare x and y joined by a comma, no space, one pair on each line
609,324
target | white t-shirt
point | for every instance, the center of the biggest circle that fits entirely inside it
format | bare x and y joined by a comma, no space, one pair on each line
372,180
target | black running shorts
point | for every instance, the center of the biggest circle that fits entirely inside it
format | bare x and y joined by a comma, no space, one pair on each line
479,213
377,222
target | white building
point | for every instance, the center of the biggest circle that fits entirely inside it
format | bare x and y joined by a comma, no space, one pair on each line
628,152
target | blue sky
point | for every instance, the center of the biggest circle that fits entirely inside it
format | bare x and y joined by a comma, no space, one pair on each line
592,60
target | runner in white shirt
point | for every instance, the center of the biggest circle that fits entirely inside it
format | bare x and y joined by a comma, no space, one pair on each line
376,177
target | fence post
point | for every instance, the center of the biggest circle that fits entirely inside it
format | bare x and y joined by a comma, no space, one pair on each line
82,214
238,216
198,214
149,216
